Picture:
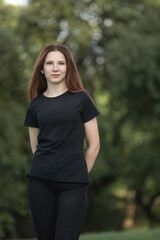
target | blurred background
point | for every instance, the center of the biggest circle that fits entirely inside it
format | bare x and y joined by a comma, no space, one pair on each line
116,45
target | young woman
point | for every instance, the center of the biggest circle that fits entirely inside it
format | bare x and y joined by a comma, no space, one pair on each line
59,115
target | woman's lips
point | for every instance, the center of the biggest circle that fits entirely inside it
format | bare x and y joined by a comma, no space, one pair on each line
55,75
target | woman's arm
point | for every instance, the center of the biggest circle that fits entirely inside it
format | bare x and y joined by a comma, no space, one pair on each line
93,142
33,133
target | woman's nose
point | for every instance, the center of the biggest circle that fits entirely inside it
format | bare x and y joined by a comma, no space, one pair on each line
55,67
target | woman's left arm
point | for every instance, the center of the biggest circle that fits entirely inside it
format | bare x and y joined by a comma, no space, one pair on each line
93,142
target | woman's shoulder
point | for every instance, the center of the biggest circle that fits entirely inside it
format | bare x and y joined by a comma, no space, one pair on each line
85,95
35,100
82,95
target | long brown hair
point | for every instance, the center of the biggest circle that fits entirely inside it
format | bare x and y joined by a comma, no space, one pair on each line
39,84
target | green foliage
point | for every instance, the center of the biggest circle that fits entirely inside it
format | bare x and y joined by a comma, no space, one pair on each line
134,83
13,147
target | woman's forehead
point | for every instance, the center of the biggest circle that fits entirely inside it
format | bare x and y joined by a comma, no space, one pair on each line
55,55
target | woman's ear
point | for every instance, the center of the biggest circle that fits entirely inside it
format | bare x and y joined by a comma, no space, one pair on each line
42,71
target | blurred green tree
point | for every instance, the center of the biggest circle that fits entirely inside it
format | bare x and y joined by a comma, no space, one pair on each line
13,147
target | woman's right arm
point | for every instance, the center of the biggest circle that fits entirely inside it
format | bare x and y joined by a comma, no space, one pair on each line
33,133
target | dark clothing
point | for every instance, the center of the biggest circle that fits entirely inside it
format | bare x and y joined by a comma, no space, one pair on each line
58,209
60,151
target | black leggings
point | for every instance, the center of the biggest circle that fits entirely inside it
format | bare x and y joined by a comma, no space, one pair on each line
58,208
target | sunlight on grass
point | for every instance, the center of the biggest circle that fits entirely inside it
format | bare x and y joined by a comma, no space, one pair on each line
125,235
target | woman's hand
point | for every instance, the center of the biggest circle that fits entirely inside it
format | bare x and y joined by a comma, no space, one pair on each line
33,133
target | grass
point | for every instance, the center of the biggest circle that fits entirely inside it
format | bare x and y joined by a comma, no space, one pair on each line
124,235
152,234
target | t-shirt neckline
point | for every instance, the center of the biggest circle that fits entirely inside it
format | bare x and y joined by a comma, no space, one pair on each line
55,96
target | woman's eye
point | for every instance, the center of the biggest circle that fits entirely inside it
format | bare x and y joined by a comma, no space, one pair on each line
61,63
48,63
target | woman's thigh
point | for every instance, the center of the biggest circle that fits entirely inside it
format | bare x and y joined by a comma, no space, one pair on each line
71,211
42,203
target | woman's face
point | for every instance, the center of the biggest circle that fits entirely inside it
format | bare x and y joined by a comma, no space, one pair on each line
55,67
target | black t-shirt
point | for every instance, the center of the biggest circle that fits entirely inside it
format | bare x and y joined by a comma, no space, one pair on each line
60,151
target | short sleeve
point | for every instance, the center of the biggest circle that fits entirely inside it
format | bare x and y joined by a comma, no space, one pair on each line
31,118
89,110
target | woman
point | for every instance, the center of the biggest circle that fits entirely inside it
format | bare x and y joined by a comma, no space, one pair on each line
60,114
